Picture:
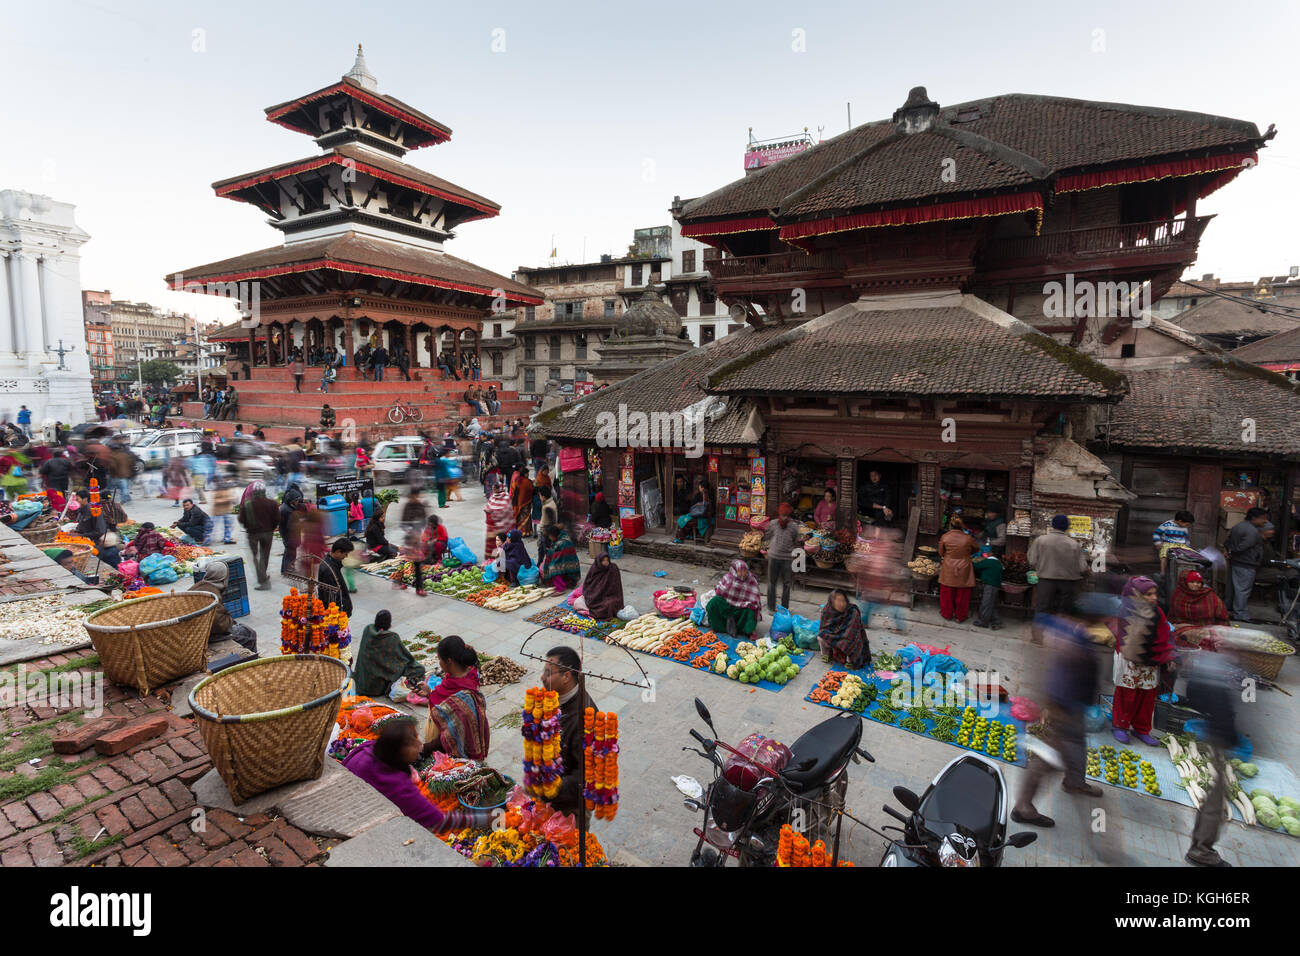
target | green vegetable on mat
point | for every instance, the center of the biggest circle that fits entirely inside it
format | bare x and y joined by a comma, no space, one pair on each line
1268,818
1288,803
913,723
1292,825
943,735
884,714
1247,770
1261,792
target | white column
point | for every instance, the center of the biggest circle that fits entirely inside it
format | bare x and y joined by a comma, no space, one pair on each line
29,323
7,306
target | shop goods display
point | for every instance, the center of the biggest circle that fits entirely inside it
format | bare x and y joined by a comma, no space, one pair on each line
543,765
308,626
46,617
600,779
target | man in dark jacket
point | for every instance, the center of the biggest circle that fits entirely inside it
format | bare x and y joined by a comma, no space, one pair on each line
1214,685
289,528
259,517
55,473
194,522
875,499
561,675
379,361
1071,689
1244,550
330,574
539,450
327,416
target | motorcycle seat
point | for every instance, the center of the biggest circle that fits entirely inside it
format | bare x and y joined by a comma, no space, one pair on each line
828,744
968,794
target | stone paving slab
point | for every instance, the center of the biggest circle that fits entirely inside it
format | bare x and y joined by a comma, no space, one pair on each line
399,841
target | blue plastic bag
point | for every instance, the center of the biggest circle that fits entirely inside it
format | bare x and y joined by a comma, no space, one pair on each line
463,552
697,615
782,623
805,631
490,574
529,575
163,575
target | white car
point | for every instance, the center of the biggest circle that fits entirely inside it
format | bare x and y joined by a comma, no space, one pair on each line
395,457
157,448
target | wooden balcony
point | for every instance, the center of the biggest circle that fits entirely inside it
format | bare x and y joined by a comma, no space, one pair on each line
1171,239
772,264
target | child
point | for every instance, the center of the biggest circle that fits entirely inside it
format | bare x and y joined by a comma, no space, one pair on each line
356,515
988,569
500,561
384,666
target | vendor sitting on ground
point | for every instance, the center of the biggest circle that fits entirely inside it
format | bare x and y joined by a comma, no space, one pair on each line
458,719
148,541
216,576
560,565
514,555
382,660
602,591
194,523
385,764
842,637
1194,606
376,540
737,606
68,561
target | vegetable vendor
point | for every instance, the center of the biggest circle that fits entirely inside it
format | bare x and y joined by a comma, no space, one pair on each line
385,764
382,660
560,564
516,556
602,591
1193,606
841,636
737,606
458,719
700,514
1144,644
216,577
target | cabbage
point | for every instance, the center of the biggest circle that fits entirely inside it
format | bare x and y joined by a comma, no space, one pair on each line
1267,818
1247,770
1261,792
1263,803
1292,825
1288,802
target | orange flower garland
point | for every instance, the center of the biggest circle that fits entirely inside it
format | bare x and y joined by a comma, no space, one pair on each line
541,732
792,850
600,783
307,626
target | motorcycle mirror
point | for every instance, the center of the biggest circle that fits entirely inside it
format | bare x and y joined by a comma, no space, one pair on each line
704,714
907,798
1021,839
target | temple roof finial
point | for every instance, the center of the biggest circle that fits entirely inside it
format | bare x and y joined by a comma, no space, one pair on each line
360,74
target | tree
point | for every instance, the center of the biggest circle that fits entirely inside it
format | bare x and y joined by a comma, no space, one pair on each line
159,371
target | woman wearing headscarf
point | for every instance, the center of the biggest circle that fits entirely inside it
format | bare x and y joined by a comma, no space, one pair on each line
841,635
148,541
601,515
1144,644
458,720
382,660
602,591
376,540
1194,607
516,553
560,564
522,498
956,573
736,600
500,518
216,577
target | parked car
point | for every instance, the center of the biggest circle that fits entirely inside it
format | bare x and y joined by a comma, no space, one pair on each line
395,457
252,458
156,448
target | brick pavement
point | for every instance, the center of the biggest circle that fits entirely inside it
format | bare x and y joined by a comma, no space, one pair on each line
132,808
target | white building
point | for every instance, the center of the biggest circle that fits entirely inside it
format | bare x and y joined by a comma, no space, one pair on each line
40,305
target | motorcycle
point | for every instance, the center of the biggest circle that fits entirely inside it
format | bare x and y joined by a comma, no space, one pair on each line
757,790
960,820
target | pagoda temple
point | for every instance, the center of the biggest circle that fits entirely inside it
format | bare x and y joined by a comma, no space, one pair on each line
362,262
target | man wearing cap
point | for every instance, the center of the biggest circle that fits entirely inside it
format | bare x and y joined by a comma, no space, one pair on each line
1060,563
784,535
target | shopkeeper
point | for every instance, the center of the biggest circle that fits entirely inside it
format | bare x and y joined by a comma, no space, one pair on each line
875,500
561,675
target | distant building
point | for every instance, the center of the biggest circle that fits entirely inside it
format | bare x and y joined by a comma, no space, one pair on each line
142,331
1233,314
96,313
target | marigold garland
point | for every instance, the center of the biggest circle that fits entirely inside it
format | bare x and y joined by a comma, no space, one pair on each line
307,626
600,783
543,765
793,850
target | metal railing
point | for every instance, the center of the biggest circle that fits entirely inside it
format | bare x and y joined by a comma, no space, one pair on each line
775,263
1174,235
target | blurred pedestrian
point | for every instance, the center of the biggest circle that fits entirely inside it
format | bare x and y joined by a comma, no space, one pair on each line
500,519
259,516
1214,685
1244,549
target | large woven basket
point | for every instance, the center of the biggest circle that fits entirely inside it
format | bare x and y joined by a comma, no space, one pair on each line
266,722
41,537
1267,666
148,641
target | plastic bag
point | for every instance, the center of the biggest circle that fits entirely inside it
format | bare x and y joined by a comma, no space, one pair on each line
559,828
164,575
490,574
529,575
782,623
628,613
770,755
1022,708
698,614
464,554
804,631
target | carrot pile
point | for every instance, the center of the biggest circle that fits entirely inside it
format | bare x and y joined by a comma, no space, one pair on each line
827,686
481,597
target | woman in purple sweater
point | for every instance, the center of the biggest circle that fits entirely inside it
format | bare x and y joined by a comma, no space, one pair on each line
385,764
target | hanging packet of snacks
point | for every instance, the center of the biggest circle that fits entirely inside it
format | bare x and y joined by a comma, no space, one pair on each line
600,780
543,765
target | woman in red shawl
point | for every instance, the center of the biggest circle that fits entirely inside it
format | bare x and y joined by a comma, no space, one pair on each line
602,591
458,721
1194,607
500,520
841,635
736,599
521,498
1144,644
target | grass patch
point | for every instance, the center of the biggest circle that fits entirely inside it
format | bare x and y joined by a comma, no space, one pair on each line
35,745
18,787
85,847
73,665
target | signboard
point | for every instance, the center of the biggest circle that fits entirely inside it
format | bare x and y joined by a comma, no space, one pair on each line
758,158
583,388
364,488
1080,525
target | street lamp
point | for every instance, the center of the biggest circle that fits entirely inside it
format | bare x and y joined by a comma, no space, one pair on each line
61,352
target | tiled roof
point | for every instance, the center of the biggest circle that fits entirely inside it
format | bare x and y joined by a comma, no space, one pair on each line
1220,316
1055,134
944,344
373,255
1199,407
669,386
1282,347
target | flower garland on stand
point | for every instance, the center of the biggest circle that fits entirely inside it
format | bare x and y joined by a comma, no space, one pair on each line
307,626
600,784
793,850
541,732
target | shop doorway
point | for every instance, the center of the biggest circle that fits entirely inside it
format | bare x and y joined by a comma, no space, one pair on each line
970,492
896,490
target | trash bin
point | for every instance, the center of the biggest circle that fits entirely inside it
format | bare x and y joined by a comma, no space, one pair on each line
334,508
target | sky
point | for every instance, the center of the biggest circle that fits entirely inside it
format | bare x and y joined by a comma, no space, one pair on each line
583,120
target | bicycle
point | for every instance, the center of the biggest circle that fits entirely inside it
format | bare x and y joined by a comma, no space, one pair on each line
402,411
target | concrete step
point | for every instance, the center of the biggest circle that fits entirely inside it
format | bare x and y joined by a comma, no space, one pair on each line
283,434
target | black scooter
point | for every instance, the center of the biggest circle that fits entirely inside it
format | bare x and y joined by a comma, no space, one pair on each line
960,820
744,811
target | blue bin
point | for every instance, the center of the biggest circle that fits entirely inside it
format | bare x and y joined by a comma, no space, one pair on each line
335,511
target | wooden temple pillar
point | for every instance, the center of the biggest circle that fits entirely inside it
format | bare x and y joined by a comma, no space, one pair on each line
348,350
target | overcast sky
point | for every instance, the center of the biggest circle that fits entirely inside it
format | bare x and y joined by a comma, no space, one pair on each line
594,115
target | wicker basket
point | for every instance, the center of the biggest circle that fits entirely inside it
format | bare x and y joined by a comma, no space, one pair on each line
42,537
146,642
1266,666
266,722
